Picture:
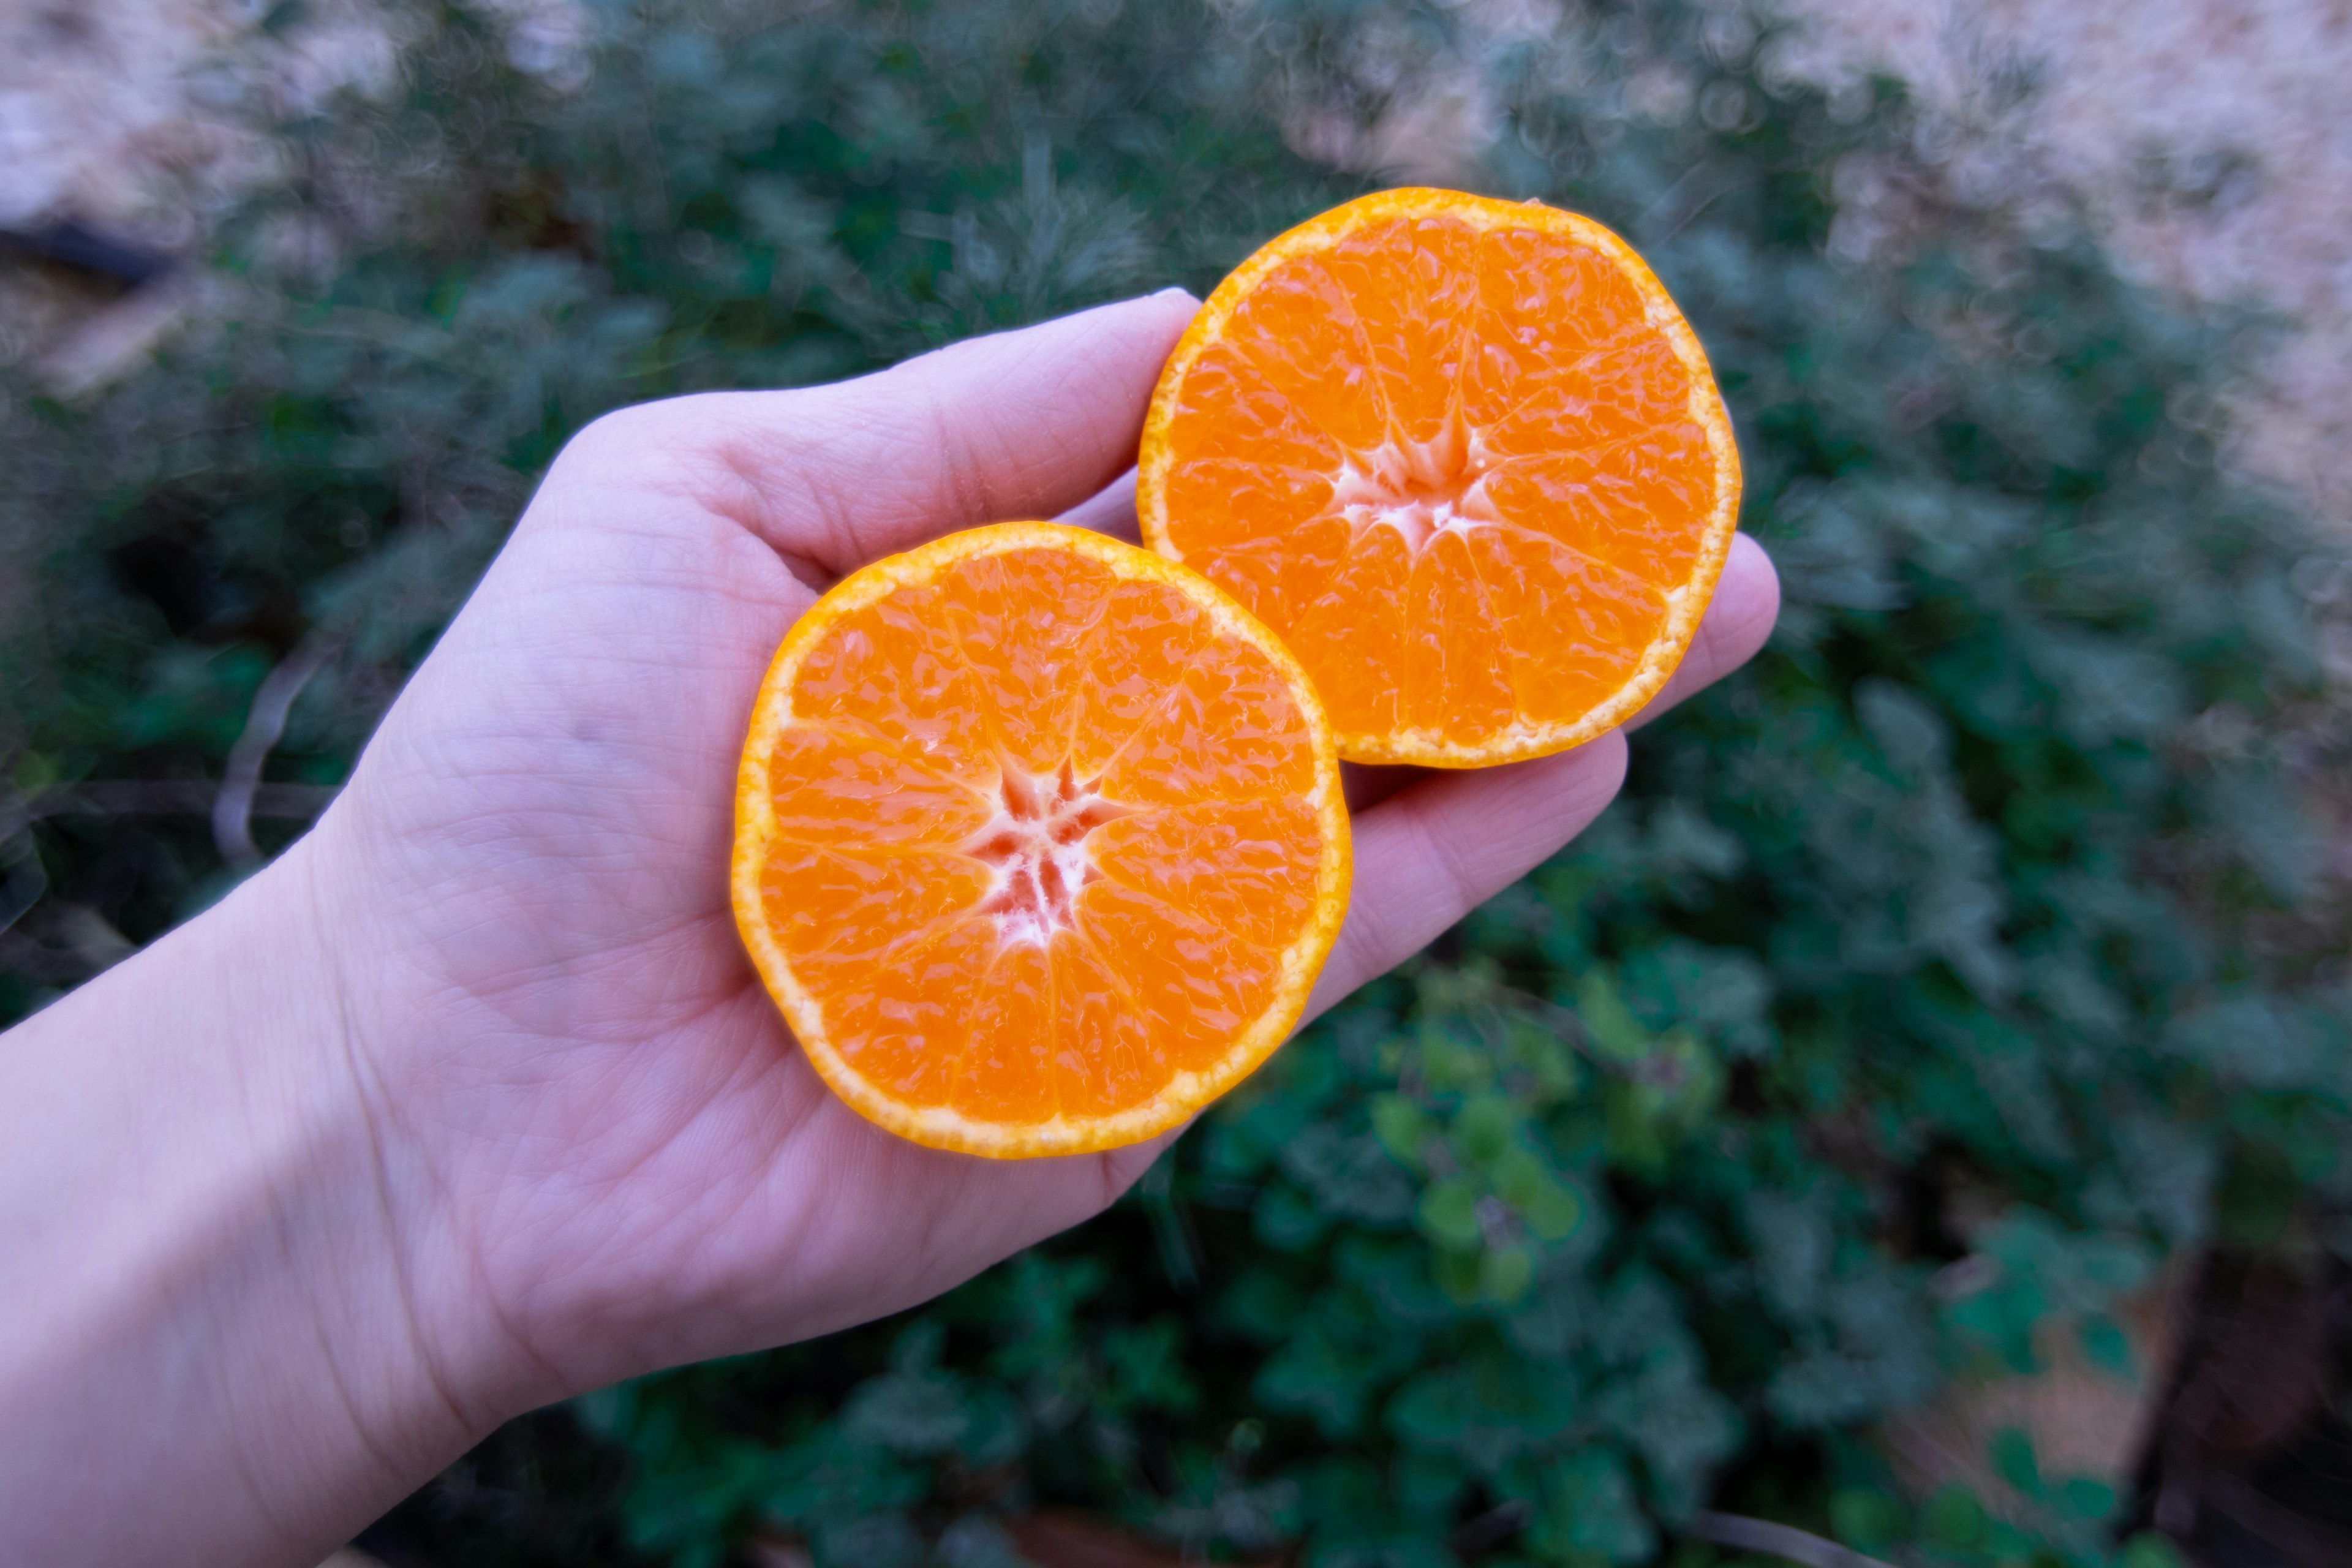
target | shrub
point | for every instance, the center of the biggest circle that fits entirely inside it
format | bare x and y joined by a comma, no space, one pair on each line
1933,980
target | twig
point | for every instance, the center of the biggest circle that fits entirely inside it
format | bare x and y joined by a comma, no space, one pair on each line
1738,1530
166,797
263,724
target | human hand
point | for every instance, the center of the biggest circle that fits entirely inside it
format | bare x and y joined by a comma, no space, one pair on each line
591,1147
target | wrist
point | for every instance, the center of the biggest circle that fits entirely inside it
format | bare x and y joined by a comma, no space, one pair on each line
237,1267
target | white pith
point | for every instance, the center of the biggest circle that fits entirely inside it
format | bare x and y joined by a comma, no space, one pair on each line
1035,849
1419,488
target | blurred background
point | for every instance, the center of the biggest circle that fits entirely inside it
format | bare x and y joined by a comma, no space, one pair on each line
1912,1123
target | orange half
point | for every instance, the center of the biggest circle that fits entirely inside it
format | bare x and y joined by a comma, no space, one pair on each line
1465,456
1039,842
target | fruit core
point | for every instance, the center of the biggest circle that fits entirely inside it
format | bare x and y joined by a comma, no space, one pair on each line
1421,488
1035,846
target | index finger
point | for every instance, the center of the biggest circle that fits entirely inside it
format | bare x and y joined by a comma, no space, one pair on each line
1016,424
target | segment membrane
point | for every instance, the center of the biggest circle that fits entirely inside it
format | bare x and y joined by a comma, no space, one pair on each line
1229,730
1022,618
1248,868
1196,987
1105,1058
844,786
1223,500
1146,635
1300,333
1352,635
1284,567
1598,402
1456,679
842,909
892,670
1229,409
1542,305
1579,628
1632,505
902,1025
1005,1070
1414,284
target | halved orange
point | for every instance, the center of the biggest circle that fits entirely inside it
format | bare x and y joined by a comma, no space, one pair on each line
1039,842
1465,456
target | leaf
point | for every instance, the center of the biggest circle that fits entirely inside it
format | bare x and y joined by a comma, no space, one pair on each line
1487,1412
1482,1129
2011,1452
1448,1211
1402,1128
1350,1177
1614,1031
1588,1509
909,1413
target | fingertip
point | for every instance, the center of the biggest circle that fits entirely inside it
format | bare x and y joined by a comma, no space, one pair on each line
1150,322
1737,621
1428,855
1747,600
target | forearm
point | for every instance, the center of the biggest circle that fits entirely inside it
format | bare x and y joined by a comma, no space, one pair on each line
213,1348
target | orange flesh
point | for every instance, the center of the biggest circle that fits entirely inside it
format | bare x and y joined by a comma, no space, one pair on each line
1464,457
1039,845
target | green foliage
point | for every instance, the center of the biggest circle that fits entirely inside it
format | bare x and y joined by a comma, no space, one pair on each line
1927,986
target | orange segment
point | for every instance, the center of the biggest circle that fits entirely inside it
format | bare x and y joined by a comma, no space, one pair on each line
1145,642
1107,1054
1021,624
1256,420
1456,646
1233,864
909,1032
1196,985
1576,627
1465,456
895,672
846,907
1401,278
1039,841
1302,316
836,777
1233,728
1544,309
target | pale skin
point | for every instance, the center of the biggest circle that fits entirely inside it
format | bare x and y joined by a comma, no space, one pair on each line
471,1101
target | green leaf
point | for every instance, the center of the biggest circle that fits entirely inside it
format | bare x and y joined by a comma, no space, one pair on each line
1505,1274
1403,1127
1449,1213
1953,1518
1867,1518
1482,1130
2011,1452
1485,1412
1589,1510
2105,1346
1549,1207
1614,1031
2150,1550
2084,1498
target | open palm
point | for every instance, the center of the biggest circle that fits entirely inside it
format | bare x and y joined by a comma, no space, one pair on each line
588,1113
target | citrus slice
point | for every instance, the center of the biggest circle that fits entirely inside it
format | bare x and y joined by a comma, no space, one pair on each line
1467,461
1039,842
